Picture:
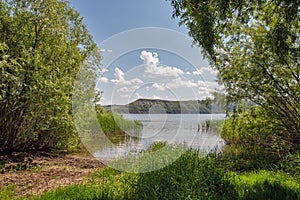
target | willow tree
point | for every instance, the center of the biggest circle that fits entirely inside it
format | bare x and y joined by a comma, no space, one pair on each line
42,46
255,47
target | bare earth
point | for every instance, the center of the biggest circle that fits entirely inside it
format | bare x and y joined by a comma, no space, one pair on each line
35,174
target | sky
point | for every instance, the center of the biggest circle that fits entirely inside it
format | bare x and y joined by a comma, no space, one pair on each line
146,54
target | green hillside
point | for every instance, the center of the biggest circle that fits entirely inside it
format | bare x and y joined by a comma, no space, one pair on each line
155,106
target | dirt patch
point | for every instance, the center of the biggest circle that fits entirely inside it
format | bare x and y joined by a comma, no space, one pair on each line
35,174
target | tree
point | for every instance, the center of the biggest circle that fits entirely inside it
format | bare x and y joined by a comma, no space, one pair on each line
255,47
42,46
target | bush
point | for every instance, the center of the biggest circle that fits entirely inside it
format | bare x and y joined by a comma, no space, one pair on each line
256,128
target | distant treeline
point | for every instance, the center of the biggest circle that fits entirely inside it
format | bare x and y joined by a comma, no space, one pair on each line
155,106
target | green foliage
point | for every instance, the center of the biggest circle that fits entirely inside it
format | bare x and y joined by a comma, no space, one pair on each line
255,140
255,127
112,123
291,165
255,47
42,46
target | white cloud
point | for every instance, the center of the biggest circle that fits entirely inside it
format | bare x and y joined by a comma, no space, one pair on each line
159,87
128,89
136,81
103,70
104,80
150,58
179,83
154,67
163,71
120,79
119,74
197,72
202,83
205,87
124,89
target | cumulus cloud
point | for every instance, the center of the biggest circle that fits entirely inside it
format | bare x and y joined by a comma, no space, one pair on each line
206,87
136,81
128,89
203,87
119,74
104,80
124,89
154,67
120,79
179,83
150,58
159,87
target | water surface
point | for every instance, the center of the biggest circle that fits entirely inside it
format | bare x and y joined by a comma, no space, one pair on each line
190,129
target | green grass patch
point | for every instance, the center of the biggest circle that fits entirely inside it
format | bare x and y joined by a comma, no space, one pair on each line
7,192
267,185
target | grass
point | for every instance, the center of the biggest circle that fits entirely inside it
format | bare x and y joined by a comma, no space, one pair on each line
189,177
7,192
267,185
112,123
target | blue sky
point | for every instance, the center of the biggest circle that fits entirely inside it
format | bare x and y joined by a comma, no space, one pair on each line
105,18
145,52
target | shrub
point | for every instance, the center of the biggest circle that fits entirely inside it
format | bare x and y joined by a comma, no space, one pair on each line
255,127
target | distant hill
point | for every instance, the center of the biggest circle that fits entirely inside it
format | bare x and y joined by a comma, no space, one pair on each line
156,106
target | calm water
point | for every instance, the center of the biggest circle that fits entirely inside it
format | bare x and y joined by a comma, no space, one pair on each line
190,129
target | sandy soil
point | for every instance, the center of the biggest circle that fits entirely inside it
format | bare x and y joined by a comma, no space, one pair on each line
35,174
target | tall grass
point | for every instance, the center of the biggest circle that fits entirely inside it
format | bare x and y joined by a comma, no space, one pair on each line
190,177
112,123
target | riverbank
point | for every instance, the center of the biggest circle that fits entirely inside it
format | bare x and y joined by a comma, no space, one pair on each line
26,175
